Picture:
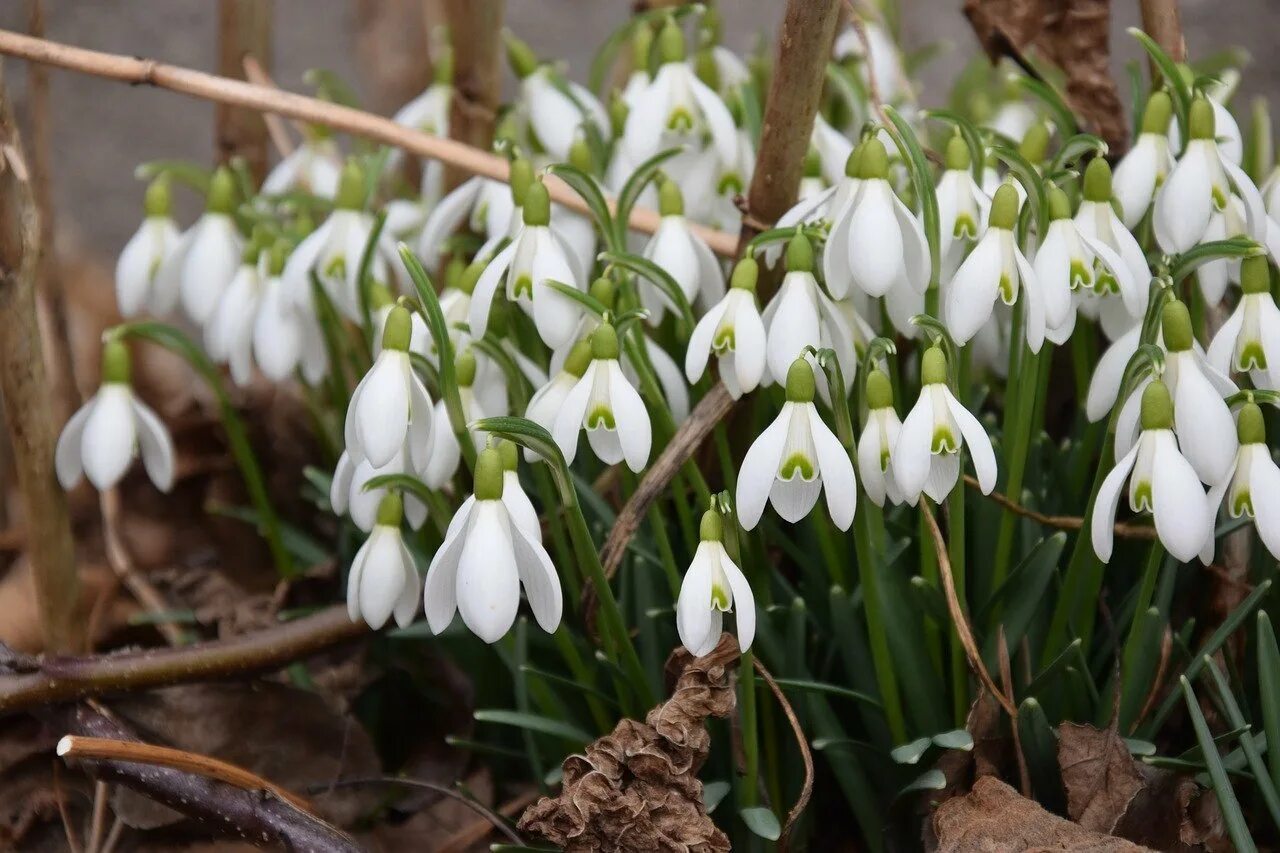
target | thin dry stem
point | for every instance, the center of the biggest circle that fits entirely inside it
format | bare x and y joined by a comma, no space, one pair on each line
122,564
244,29
1059,522
101,793
806,789
256,74
211,87
957,614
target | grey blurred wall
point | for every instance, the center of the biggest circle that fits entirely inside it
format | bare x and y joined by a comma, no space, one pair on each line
101,129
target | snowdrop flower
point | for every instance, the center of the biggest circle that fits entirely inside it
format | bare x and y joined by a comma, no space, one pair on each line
926,456
1250,339
1146,165
383,581
1201,417
1108,374
677,108
1253,486
536,255
801,315
713,586
103,437
390,403
144,255
283,338
1199,184
831,205
876,243
795,458
684,255
348,495
882,57
228,336
513,494
314,166
486,557
1099,226
333,251
995,268
554,115
875,450
486,207
1161,481
1226,136
548,401
429,113
963,207
1013,119
734,331
206,259
605,404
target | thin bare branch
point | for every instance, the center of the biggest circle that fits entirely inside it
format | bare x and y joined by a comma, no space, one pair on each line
806,789
244,29
122,564
1060,522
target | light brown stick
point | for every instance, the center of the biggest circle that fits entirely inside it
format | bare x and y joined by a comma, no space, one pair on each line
211,87
806,789
244,29
1060,522
1163,22
256,74
25,390
475,28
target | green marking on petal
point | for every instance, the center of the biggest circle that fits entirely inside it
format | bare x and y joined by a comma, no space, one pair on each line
725,340
680,120
721,599
944,441
337,267
797,464
1007,293
1252,357
884,459
523,286
1142,496
1242,504
1080,275
601,417
965,228
1219,199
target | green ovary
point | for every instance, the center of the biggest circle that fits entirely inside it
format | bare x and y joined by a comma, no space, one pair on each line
943,441
601,417
797,465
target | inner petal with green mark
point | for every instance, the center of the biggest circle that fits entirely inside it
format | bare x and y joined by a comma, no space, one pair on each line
1080,275
1241,503
721,597
725,340
1008,290
1251,356
1219,198
601,417
944,440
1106,283
797,464
680,120
522,287
730,182
337,267
1140,498
965,227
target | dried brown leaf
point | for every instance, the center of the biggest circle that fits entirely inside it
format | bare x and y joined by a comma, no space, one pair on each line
1099,775
637,789
994,817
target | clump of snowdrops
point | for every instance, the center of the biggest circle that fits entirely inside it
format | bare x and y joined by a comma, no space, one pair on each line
973,314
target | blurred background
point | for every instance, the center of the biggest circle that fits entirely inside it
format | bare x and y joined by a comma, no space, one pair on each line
101,130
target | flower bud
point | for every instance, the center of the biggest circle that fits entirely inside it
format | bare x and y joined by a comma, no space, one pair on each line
875,160
704,66
580,156
579,358
521,57
603,291
1059,203
641,46
853,165
1157,406
1200,119
1035,145
509,453
670,43
520,178
800,382
443,71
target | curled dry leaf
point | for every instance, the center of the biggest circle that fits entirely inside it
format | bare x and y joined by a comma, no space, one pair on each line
637,788
993,816
1099,775
1072,34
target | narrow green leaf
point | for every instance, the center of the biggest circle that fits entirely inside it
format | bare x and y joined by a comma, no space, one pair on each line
195,176
1176,83
1235,248
1237,828
589,189
1050,671
831,689
586,300
1063,118
1247,741
1269,690
306,549
1040,748
1075,149
631,191
406,483
922,179
657,276
534,723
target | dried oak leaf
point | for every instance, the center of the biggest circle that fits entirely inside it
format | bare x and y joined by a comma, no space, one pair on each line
1099,775
637,789
1172,812
994,817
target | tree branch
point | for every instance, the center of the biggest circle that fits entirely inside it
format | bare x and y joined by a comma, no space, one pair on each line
1060,522
65,679
244,29
25,389
211,87
475,30
1163,22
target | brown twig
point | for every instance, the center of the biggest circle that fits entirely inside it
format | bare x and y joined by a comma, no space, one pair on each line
211,87
1060,522
73,843
806,789
475,28
244,29
68,678
1163,22
25,389
260,814
81,748
256,74
121,563
804,47
101,793
957,613
1006,681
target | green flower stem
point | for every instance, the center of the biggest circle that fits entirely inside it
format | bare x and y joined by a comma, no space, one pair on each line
869,518
364,281
1017,442
931,575
237,435
569,569
749,790
1133,686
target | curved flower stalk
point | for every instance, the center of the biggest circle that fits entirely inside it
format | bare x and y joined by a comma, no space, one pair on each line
875,244
554,109
996,268
796,458
1146,165
676,108
1161,481
206,258
963,206
926,456
684,255
1250,339
1096,221
390,404
879,438
137,270
334,250
383,581
1069,262
1252,487
284,338
1201,182
734,330
800,315
102,438
486,557
228,336
1201,417
314,167
604,403
712,587
536,255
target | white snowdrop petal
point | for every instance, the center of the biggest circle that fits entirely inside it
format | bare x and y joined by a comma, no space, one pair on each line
911,456
382,578
541,583
488,581
109,437
744,602
760,468
976,440
573,411
155,444
67,458
1178,501
1104,385
972,293
1206,430
1103,518
382,408
836,471
486,287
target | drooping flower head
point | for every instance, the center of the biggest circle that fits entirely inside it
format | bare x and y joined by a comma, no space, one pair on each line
1146,165
384,581
390,403
607,407
1250,339
713,586
1253,486
137,270
875,449
734,331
